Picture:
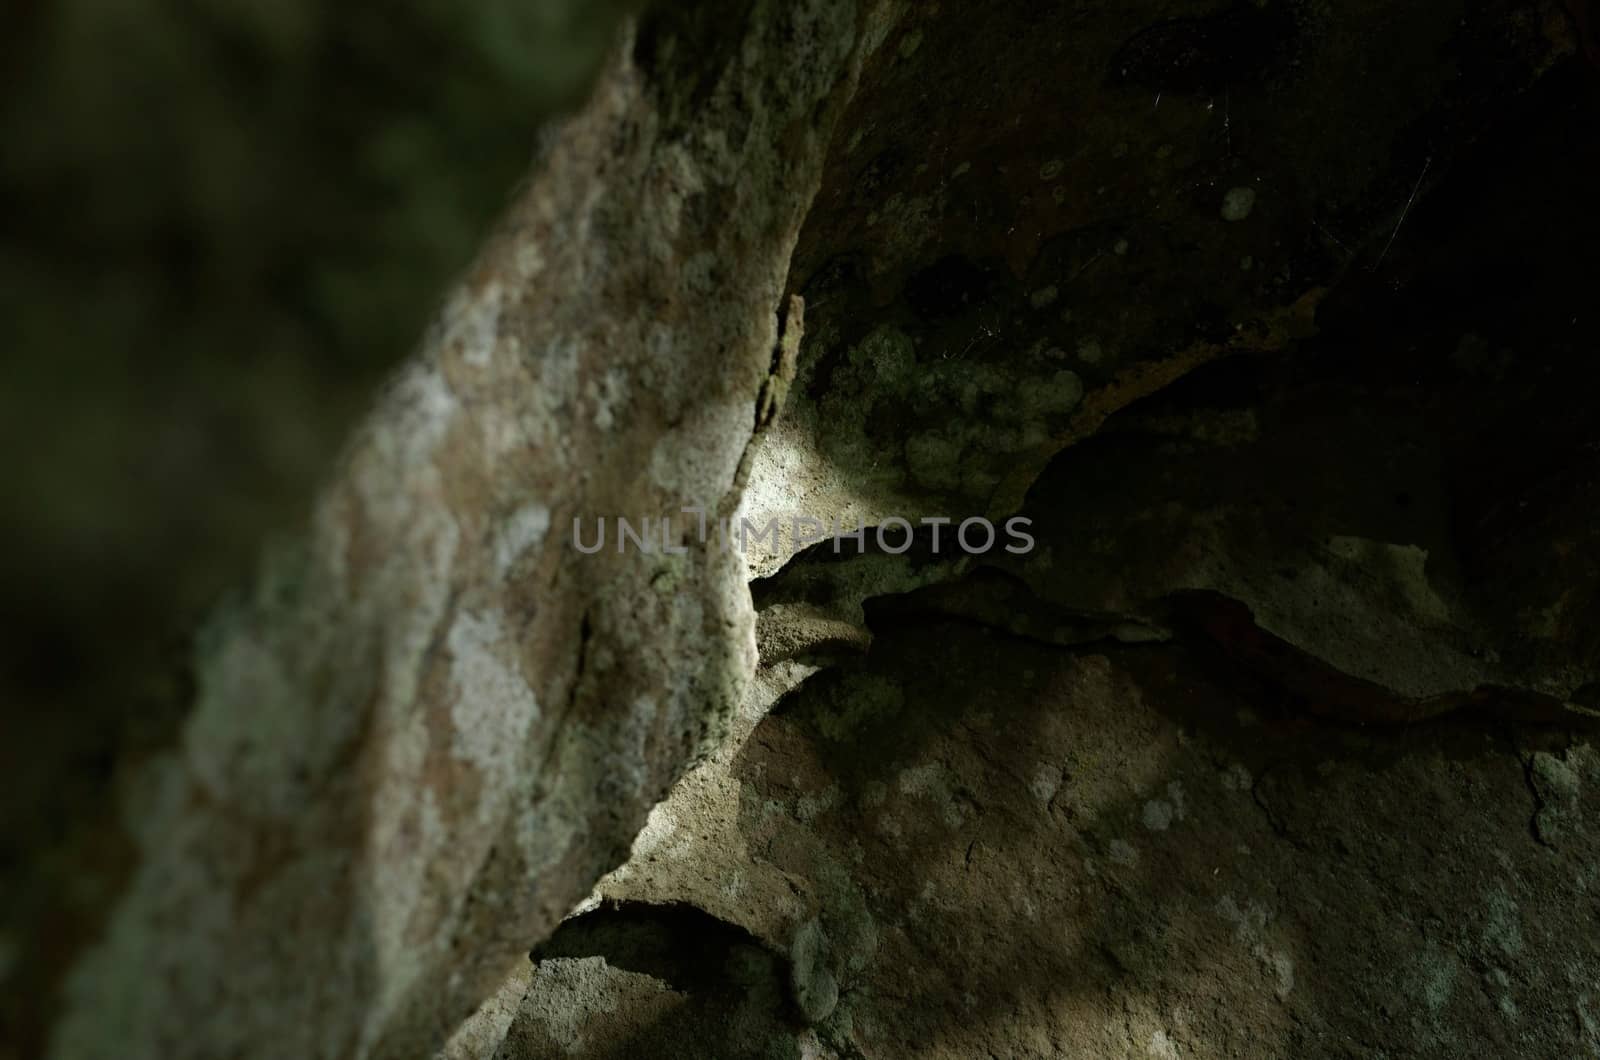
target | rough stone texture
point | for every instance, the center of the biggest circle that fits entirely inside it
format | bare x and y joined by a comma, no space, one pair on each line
688,979
1119,851
1311,528
1020,229
1281,742
431,725
483,1031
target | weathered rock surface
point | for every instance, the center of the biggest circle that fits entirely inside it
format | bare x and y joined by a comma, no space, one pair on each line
431,724
1015,850
1022,227
1280,743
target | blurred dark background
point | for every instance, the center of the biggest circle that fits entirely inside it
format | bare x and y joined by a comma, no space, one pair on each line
224,219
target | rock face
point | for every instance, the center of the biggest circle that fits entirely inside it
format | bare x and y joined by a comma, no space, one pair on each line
1280,742
1112,850
432,723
